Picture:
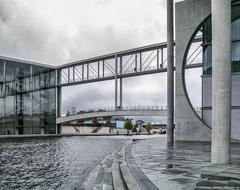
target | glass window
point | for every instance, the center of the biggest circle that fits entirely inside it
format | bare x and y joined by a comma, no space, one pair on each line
42,80
207,38
36,82
207,31
1,71
235,12
26,82
52,78
10,105
236,57
207,60
52,102
236,29
1,107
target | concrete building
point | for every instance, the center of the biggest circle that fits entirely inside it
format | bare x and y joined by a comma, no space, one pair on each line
193,19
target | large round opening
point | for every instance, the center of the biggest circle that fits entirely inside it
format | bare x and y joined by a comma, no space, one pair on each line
198,79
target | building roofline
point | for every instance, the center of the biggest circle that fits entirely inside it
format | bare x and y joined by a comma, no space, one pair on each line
26,62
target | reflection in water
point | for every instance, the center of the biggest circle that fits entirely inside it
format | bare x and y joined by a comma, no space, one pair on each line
54,163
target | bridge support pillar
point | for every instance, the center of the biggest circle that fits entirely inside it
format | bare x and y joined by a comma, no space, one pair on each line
120,91
116,82
59,101
221,81
170,73
59,108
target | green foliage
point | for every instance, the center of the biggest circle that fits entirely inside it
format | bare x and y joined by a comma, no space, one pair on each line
149,127
128,124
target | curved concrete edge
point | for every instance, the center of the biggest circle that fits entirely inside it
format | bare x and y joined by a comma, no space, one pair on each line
119,171
141,179
128,177
188,125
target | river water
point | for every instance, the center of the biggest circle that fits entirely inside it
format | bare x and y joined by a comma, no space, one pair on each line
52,163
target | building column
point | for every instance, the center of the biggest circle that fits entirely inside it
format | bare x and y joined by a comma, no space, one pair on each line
221,81
170,73
58,100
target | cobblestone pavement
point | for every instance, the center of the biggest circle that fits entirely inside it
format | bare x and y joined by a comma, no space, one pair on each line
185,166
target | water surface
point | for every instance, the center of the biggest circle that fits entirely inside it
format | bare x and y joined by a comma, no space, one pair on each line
52,163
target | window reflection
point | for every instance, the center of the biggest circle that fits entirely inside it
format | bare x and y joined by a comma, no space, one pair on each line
27,99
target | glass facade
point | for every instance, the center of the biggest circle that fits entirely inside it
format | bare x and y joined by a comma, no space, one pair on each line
27,98
207,40
207,72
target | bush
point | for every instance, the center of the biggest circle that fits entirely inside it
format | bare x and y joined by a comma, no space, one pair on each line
149,127
128,125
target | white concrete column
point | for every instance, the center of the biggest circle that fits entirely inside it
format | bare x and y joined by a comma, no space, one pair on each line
170,73
221,81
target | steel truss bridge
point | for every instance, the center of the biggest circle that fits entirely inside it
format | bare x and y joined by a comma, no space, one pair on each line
140,61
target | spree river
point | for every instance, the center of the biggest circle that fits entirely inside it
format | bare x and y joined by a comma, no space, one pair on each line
52,163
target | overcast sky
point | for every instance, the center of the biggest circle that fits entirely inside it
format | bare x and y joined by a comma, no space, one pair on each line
60,31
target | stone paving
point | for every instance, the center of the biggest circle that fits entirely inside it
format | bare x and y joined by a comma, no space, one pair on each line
185,166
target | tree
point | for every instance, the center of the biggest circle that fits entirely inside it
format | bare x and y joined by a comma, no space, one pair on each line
68,113
149,127
128,125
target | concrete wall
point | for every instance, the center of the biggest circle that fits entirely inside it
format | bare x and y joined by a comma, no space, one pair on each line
188,15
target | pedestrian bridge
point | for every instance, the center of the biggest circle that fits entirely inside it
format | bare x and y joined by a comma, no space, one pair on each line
126,111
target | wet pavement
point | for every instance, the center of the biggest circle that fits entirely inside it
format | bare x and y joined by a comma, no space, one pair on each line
185,166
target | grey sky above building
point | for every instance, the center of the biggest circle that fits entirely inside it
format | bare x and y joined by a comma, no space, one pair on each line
60,31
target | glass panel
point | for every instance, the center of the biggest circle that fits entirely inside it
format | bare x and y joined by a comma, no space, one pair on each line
52,78
10,106
207,31
236,29
207,60
42,80
1,126
9,123
36,82
236,57
1,71
235,12
36,113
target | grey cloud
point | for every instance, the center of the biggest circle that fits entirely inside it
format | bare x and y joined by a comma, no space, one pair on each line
27,32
